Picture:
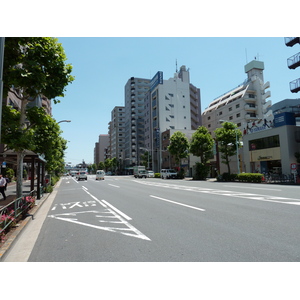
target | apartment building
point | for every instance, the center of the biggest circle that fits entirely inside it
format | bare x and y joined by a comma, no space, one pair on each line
245,105
293,62
172,104
135,91
101,148
117,132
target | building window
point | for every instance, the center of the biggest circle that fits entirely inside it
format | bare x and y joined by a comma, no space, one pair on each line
220,113
237,106
238,115
264,143
230,108
230,118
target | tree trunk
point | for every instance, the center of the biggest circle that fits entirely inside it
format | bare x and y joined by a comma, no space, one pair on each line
20,153
20,157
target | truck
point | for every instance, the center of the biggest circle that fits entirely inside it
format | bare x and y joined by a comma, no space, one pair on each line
139,172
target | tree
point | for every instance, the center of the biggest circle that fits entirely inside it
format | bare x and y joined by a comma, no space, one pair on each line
41,136
179,146
101,165
33,67
227,136
201,145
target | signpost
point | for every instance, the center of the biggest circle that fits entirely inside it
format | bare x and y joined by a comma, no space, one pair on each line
294,171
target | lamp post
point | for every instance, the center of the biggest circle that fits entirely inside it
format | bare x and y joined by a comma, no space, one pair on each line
237,147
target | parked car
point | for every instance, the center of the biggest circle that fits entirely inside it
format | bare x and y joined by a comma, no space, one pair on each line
81,175
168,173
150,174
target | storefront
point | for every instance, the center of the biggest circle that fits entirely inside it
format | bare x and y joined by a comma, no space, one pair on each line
272,150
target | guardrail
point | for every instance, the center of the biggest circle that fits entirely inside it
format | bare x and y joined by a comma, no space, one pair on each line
16,210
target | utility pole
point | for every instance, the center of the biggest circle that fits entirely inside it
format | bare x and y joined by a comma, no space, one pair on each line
2,41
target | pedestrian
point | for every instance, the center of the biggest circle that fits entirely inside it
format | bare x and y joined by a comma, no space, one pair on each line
2,186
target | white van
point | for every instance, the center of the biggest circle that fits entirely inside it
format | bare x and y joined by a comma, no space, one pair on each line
168,173
100,175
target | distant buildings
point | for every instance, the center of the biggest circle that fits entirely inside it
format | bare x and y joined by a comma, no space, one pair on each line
155,108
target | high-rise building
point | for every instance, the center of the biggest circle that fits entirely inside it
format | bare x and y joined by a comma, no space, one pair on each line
135,91
117,132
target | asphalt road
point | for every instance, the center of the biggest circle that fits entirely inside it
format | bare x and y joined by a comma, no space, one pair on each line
122,219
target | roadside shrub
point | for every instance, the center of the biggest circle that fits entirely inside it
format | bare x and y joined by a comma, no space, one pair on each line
250,177
201,171
157,175
54,179
48,189
181,174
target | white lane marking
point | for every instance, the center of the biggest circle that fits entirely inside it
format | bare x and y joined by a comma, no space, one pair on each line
253,188
258,197
114,185
193,207
116,210
137,233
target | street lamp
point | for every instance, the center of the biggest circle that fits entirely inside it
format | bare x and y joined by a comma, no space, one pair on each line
237,147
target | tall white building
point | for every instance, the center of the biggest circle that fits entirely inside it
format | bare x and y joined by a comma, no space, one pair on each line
170,104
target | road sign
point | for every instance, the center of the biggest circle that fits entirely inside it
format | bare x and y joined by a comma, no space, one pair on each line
293,166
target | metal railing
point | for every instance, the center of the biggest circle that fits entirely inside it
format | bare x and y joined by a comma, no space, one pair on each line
279,178
14,211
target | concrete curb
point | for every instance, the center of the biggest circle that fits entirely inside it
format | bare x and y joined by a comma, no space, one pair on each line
14,236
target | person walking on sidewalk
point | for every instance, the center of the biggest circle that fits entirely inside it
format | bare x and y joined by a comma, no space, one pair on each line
2,186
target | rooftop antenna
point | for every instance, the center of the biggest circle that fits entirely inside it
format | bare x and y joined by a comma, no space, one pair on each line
176,66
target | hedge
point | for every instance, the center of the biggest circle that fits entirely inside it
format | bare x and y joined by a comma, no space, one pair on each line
250,177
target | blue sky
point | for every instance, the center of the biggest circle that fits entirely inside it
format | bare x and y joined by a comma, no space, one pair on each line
102,66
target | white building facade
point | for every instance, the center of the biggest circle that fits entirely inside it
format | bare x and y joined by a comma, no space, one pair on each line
246,105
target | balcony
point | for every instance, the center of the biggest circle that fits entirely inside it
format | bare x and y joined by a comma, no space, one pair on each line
251,116
295,85
294,61
266,95
250,107
250,97
291,41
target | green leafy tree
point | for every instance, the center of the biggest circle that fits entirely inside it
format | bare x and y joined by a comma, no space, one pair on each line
108,164
101,165
33,67
41,136
179,146
145,158
227,136
201,145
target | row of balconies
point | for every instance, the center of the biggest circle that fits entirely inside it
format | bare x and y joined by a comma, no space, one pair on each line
293,62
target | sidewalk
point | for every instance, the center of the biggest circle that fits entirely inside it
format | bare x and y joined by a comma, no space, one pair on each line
12,235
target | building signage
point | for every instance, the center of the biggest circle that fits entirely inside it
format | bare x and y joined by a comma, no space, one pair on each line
156,80
157,131
257,126
285,118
